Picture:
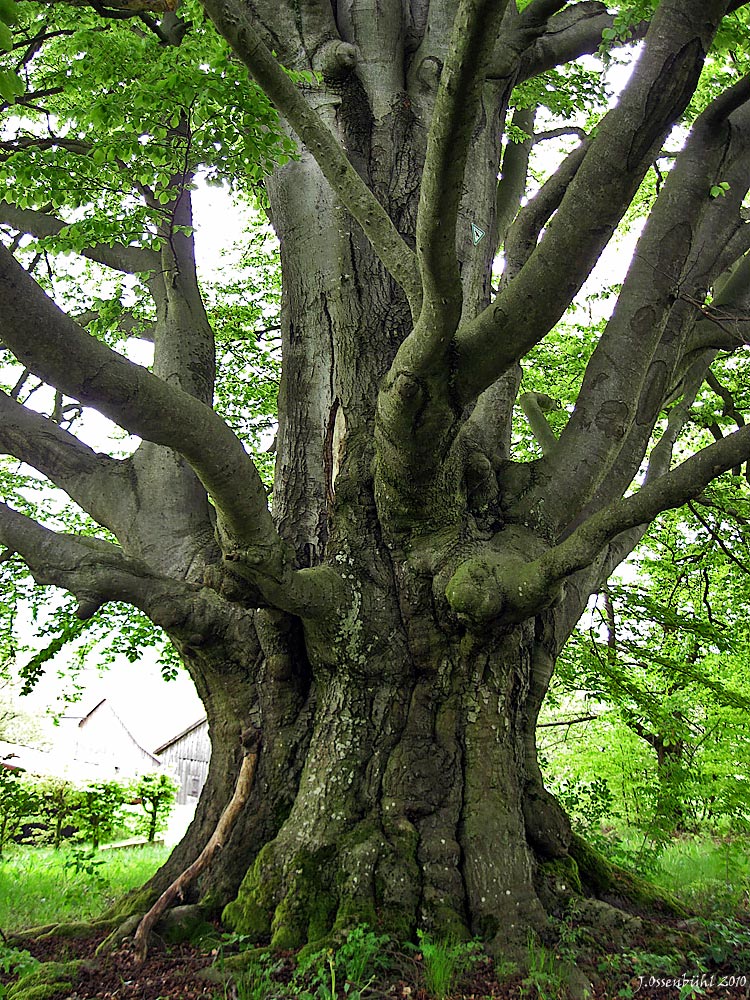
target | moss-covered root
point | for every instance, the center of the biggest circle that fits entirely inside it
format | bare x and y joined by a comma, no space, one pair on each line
181,923
605,879
119,934
308,898
77,930
74,930
47,980
135,901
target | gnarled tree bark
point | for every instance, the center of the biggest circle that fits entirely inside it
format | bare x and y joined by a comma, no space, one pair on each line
391,626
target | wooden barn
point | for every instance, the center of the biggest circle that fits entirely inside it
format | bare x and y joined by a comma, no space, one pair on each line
102,738
186,756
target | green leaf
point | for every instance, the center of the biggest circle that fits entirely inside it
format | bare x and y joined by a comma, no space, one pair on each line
6,38
11,85
8,11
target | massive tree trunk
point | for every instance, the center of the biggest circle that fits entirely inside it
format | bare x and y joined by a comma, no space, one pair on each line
389,629
409,808
397,781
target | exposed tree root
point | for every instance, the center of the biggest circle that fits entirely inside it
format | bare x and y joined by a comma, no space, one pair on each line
610,882
76,929
216,841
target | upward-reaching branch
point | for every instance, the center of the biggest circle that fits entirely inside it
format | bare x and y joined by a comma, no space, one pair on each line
54,347
511,186
615,163
233,21
625,382
475,29
573,32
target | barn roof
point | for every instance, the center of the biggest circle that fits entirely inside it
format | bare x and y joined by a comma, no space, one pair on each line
105,702
196,725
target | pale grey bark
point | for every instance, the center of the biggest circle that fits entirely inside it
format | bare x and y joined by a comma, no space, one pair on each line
511,186
241,33
523,235
53,346
596,198
97,483
573,32
130,260
662,273
457,103
93,570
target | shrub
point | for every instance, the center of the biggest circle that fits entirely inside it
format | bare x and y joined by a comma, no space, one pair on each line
157,794
18,801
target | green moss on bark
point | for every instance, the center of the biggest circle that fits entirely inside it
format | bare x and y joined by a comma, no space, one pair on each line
45,981
561,875
308,909
604,878
252,911
293,909
137,901
77,930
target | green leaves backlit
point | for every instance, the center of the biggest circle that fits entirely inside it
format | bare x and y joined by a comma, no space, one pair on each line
11,85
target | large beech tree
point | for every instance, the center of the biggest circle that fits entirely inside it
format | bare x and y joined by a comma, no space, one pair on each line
388,627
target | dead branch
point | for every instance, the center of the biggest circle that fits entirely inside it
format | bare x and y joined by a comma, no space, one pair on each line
216,841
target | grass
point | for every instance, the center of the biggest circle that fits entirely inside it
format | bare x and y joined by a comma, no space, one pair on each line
40,886
444,962
711,877
544,978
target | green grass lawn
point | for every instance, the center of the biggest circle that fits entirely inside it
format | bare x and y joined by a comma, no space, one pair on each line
40,886
711,876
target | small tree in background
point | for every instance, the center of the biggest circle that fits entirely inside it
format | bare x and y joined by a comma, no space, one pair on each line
157,793
17,801
98,810
57,804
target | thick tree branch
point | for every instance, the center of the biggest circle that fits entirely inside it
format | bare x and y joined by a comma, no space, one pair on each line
497,585
725,323
514,173
94,571
475,28
523,235
77,146
131,260
97,483
625,381
534,406
232,20
614,165
574,32
53,346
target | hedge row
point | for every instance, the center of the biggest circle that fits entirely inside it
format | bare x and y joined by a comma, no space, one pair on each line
50,810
